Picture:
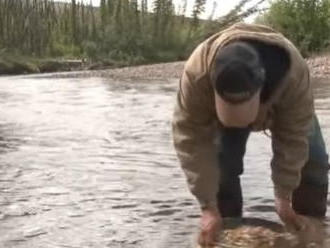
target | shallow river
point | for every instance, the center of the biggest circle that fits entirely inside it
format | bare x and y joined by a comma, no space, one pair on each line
88,162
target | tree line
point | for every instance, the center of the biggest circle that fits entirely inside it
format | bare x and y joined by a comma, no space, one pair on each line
118,30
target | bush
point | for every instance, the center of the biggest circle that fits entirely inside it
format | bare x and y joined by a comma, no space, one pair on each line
305,22
16,65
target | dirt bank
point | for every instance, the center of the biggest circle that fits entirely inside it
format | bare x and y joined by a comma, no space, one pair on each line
319,66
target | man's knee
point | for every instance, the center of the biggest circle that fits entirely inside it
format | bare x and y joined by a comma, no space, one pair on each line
315,173
316,169
317,148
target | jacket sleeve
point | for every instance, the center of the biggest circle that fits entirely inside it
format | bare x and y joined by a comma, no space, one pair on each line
292,123
193,134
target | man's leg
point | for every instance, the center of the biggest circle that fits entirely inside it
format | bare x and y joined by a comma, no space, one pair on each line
310,198
232,143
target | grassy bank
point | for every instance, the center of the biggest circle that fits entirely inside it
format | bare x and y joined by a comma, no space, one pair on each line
14,65
11,65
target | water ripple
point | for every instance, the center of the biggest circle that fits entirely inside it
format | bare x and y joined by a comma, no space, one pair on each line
90,163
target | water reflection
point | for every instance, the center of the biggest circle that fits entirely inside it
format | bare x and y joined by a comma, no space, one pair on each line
89,163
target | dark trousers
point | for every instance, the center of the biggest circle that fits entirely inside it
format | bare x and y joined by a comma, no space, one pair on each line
310,198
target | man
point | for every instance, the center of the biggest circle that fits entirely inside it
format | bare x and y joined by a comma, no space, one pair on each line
249,78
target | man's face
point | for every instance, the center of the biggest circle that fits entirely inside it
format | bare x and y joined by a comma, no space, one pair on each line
237,112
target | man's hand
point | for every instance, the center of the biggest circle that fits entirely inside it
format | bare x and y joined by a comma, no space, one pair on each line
211,223
288,215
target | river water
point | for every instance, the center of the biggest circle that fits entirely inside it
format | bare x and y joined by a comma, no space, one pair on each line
88,162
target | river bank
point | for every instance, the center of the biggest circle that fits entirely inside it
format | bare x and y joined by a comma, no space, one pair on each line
18,65
319,68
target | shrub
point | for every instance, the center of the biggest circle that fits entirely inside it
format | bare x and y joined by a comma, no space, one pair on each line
305,22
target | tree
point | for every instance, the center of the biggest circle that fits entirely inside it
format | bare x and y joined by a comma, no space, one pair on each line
103,10
74,21
199,8
305,22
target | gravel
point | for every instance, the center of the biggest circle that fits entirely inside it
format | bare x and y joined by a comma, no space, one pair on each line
319,67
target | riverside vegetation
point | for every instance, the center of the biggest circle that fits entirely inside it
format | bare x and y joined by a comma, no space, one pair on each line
46,35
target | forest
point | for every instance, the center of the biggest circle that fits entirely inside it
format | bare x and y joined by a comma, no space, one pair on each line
46,35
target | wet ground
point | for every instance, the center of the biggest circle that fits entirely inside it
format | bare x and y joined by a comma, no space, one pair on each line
89,163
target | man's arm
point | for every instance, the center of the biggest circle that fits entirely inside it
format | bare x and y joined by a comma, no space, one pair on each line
193,135
292,123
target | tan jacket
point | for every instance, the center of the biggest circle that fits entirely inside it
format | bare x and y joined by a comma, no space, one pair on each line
288,115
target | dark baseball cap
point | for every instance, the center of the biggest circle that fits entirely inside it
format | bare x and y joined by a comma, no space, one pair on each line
237,76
